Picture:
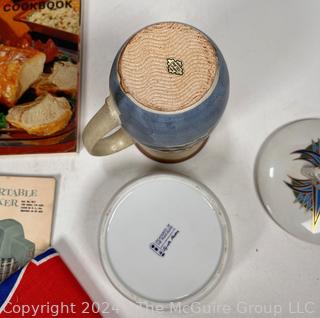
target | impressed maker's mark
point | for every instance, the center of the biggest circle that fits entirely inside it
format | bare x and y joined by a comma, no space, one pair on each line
175,66
161,245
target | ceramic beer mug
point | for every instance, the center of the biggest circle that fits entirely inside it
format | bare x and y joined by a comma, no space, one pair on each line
169,86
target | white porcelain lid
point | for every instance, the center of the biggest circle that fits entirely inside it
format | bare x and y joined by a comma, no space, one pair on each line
164,239
288,178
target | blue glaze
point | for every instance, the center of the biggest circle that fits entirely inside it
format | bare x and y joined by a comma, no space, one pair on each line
171,130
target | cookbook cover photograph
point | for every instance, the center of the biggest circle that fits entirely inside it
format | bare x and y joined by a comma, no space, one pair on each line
40,76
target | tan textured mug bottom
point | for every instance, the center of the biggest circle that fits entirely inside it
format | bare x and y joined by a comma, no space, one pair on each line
168,66
174,156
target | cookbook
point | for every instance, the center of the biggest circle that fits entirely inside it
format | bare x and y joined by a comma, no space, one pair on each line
26,214
40,76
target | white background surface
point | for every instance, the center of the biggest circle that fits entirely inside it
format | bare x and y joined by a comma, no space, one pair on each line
273,52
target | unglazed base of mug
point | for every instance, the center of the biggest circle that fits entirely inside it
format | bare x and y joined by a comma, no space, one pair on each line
175,156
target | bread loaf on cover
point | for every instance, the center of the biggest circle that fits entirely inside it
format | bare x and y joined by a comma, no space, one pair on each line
19,69
63,79
43,117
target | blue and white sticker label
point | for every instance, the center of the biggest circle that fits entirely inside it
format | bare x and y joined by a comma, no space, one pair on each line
161,245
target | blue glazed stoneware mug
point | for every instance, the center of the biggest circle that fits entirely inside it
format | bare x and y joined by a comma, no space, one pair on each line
169,86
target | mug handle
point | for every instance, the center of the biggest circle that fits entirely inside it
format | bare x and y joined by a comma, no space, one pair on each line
104,122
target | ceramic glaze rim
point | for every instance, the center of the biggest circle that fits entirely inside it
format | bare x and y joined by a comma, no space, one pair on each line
220,267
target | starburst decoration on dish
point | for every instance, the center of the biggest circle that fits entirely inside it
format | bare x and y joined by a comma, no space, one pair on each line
307,191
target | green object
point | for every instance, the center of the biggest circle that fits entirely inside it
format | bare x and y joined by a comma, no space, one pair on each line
13,243
3,121
63,57
72,100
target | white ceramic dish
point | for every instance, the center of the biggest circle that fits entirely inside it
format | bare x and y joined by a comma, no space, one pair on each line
164,239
